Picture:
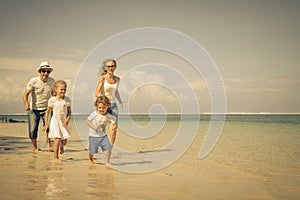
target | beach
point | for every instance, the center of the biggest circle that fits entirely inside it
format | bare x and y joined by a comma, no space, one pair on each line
250,161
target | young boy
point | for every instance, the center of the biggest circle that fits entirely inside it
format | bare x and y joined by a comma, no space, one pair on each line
97,122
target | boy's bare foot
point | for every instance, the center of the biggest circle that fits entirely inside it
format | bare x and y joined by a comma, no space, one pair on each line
36,149
108,165
91,162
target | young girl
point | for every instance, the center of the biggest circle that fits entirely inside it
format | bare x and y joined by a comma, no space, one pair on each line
97,122
61,106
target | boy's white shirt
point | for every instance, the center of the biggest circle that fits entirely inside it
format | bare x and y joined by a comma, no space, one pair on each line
101,122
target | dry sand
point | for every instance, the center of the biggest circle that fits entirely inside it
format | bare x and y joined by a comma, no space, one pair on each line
28,175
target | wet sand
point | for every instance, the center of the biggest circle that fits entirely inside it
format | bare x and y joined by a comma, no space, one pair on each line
245,164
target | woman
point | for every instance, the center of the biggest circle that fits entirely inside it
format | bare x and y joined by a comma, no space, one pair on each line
108,85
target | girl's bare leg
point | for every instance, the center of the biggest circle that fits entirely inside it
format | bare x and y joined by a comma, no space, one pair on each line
63,143
48,142
56,148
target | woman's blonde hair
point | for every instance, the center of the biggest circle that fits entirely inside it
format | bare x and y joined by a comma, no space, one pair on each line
102,69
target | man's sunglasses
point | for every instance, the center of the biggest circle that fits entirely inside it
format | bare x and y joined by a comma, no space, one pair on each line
44,71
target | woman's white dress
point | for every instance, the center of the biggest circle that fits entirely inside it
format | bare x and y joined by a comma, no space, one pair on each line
56,128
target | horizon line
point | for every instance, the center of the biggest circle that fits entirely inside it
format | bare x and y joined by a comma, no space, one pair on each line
204,113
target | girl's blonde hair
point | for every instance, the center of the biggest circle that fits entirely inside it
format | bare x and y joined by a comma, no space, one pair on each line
58,83
102,99
102,69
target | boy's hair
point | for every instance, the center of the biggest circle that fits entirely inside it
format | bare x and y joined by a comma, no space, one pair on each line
102,99
58,83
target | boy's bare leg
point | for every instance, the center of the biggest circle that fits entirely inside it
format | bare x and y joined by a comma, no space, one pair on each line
91,159
108,154
113,133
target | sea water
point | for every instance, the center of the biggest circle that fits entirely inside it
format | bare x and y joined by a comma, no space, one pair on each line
263,145
260,147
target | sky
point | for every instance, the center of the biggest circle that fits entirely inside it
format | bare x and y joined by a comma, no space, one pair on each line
255,46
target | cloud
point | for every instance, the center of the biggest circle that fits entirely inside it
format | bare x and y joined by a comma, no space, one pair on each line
144,88
136,79
12,85
278,85
51,50
12,88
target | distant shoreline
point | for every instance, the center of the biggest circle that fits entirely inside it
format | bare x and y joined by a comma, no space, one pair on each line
231,117
132,114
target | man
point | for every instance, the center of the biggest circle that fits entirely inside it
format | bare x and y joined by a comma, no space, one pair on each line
40,88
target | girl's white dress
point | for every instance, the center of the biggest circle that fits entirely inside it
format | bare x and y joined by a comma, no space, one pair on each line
56,128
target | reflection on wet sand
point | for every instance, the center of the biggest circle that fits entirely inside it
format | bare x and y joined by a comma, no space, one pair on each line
100,183
45,180
56,182
33,176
